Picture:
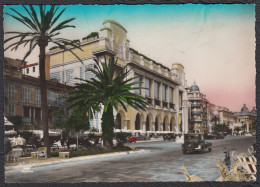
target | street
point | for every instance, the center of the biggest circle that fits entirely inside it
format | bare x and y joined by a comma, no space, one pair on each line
162,163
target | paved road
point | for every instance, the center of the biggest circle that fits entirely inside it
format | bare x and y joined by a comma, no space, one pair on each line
162,163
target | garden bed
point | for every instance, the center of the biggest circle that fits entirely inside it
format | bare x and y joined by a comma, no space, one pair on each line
91,151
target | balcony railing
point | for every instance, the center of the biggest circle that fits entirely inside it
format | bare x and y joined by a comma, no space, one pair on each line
149,100
157,102
195,105
26,120
165,104
195,112
171,105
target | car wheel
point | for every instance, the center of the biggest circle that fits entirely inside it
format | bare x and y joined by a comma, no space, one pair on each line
202,149
184,151
189,147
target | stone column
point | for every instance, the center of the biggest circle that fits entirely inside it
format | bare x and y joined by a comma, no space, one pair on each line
176,122
161,127
131,75
160,92
168,126
124,124
167,96
144,127
153,126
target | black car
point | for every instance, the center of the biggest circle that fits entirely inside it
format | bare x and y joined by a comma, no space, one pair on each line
195,143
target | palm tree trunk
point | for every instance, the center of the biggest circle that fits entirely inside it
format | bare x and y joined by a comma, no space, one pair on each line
107,127
44,102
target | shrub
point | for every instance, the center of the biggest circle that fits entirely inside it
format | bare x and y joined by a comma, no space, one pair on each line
54,154
121,137
25,134
91,135
92,34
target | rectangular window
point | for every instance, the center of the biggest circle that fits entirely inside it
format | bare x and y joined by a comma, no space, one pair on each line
81,76
147,86
137,85
156,90
27,70
170,95
53,98
62,77
33,69
55,75
38,96
163,92
26,94
88,74
11,109
11,91
69,77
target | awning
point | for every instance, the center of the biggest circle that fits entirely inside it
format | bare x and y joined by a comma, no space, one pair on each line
8,123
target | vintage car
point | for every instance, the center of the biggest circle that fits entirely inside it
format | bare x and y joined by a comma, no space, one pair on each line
220,135
195,142
169,136
210,136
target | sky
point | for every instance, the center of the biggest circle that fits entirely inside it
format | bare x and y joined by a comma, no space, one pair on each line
215,43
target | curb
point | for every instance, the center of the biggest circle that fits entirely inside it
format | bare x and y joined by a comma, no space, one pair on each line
10,168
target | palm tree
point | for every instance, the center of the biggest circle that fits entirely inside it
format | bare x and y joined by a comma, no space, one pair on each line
215,119
43,27
105,92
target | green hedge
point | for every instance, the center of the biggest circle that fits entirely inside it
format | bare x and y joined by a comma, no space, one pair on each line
121,137
92,34
92,151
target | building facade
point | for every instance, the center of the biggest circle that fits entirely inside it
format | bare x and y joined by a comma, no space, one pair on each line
166,93
31,70
23,96
199,110
246,118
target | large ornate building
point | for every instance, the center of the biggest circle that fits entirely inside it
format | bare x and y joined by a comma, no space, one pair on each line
166,93
246,118
198,111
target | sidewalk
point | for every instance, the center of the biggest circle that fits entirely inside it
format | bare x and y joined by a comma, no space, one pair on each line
55,160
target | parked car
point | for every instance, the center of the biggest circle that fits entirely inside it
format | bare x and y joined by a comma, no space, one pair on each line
132,139
210,136
169,136
195,142
219,136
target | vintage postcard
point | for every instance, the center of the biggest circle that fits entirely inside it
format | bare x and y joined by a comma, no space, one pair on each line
129,93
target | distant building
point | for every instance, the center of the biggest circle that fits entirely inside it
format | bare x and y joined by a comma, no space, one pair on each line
246,118
199,110
212,111
165,87
226,116
22,93
31,69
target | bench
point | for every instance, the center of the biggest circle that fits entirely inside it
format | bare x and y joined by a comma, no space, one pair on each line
42,152
64,154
